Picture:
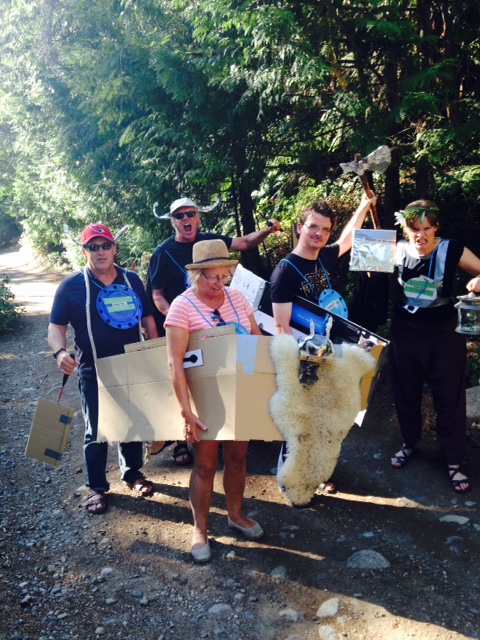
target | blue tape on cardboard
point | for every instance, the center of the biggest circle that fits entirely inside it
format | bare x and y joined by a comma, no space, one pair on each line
246,352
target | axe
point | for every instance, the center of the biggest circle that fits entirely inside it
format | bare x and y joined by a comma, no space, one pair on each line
378,160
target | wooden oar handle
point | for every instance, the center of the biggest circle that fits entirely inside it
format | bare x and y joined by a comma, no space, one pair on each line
373,206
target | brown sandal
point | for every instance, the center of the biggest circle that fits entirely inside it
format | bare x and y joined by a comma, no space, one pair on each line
96,502
142,487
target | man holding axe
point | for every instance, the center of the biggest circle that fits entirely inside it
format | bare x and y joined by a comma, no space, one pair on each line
307,270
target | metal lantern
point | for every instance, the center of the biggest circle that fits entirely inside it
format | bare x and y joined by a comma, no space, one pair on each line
468,314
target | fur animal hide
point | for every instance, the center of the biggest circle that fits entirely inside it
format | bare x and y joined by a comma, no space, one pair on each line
314,419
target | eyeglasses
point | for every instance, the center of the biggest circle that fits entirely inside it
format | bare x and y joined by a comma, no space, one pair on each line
223,279
313,228
96,247
216,317
180,216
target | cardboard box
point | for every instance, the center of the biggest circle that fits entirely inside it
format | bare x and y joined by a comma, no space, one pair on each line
49,432
231,381
231,377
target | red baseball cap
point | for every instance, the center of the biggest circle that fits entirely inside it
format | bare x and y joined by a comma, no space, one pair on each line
96,230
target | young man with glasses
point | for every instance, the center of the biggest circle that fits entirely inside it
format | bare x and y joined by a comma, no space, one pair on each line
308,269
167,276
102,328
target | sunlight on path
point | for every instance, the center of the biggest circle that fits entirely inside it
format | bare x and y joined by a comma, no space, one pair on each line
33,286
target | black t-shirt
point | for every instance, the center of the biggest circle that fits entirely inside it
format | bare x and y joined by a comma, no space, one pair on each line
167,268
286,282
69,308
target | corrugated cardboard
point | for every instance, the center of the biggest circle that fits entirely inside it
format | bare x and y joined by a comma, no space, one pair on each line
230,391
49,432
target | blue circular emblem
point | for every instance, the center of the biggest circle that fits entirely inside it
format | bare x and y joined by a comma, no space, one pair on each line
331,300
119,306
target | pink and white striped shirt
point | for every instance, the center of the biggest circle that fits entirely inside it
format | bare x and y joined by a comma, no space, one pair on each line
196,316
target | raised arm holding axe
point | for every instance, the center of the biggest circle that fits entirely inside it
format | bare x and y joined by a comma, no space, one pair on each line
378,161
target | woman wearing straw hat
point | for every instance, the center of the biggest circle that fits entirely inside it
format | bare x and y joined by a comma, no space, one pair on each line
207,303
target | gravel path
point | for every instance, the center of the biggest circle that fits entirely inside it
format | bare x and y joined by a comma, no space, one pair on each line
393,555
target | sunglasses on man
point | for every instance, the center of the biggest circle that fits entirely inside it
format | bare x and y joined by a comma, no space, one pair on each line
96,247
180,216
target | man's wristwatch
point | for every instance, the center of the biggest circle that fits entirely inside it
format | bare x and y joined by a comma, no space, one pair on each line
56,354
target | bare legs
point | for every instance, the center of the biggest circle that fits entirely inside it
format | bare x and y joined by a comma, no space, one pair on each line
201,485
201,488
234,478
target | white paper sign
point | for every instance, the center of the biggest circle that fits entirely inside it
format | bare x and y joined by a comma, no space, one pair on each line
249,284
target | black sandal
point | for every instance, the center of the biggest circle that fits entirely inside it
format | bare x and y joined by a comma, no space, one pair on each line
456,484
165,444
142,487
402,457
182,451
96,502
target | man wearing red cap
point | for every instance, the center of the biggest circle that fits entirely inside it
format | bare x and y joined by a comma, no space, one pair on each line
107,308
167,276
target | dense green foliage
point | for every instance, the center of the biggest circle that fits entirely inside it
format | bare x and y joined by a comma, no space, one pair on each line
108,107
9,311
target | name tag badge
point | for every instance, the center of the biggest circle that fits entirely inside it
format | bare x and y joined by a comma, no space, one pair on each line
420,291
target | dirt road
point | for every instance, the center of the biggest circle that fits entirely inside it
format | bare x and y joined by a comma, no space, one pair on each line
127,574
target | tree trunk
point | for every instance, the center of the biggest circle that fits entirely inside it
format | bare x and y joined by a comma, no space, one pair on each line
250,259
423,179
392,191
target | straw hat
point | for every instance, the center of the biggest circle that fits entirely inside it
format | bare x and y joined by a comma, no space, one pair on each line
208,254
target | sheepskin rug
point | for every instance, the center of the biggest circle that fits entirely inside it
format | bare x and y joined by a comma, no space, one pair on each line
314,419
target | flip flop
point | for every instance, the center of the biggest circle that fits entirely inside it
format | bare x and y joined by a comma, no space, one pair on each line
96,502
